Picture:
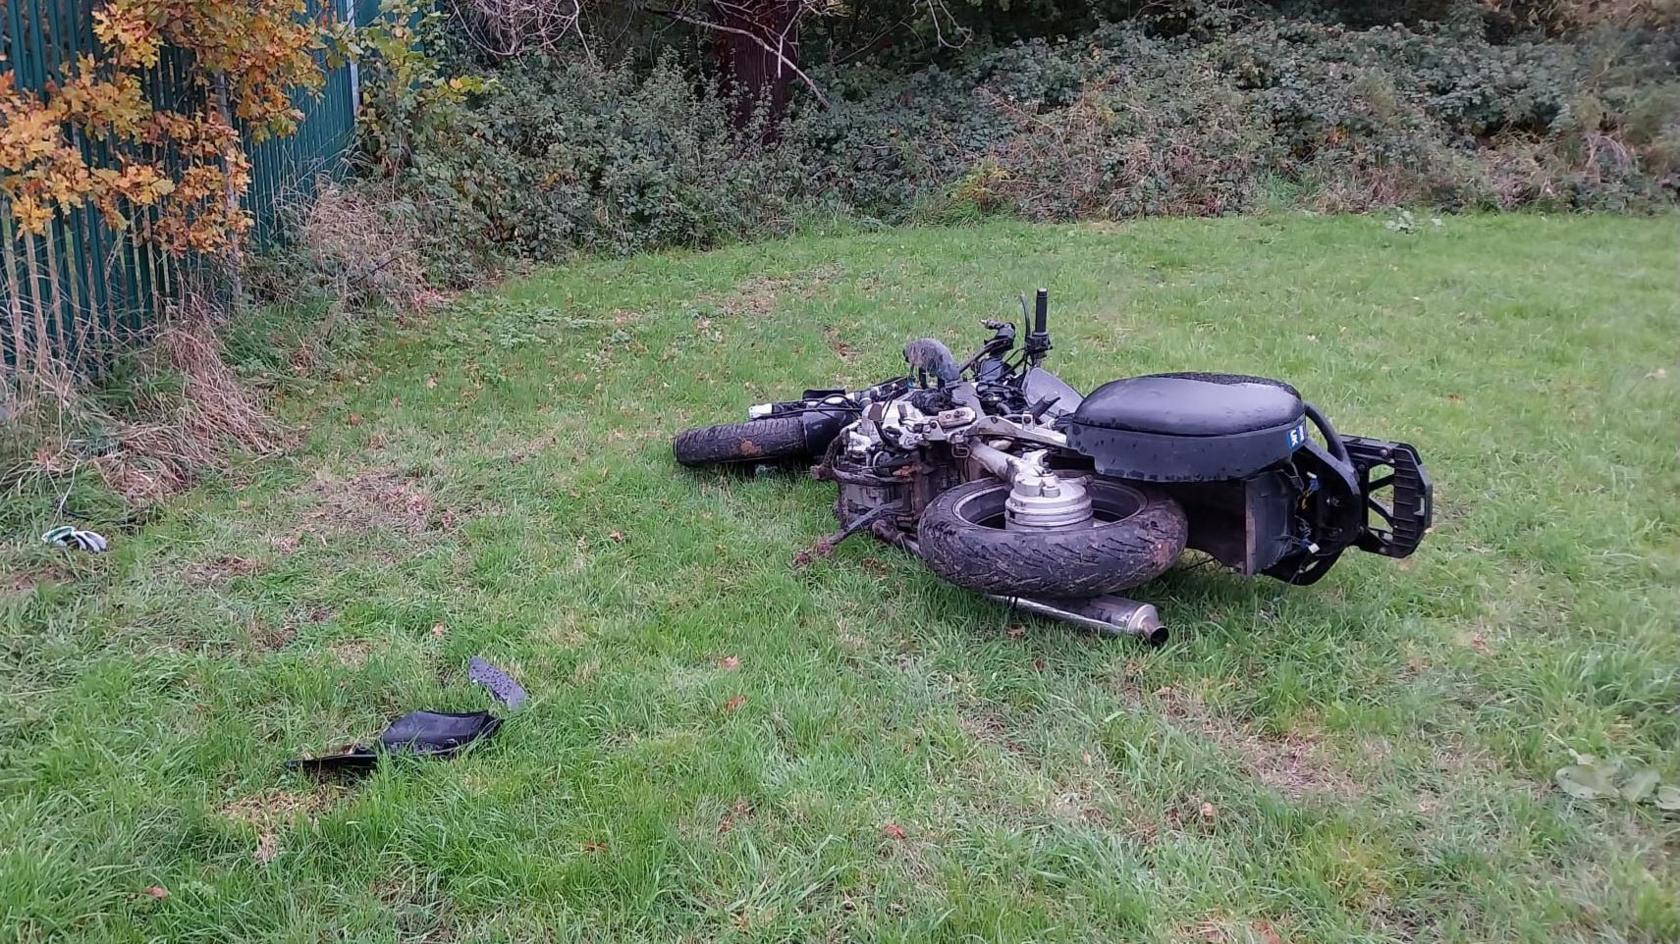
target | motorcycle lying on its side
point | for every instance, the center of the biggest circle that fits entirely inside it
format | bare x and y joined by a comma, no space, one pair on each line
1005,480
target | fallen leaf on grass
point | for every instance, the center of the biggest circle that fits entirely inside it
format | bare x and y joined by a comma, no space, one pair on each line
1587,779
1592,779
893,831
1640,785
157,891
734,703
1668,798
729,662
1208,812
438,630
821,550
594,846
617,537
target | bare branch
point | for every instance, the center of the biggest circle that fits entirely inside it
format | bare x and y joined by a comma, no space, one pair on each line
507,28
782,60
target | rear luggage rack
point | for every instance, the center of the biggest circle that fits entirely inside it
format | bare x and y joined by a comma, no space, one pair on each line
1395,524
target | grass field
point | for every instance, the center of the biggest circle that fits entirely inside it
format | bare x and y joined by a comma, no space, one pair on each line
724,746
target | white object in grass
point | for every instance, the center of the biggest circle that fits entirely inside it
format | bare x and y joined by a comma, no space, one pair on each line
66,536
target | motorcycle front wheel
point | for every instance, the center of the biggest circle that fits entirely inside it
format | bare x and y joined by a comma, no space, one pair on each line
768,439
1135,535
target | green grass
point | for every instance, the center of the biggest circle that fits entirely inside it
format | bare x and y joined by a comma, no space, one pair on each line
1370,758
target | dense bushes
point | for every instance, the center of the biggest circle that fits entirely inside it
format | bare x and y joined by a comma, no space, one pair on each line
1223,115
559,157
1123,123
585,158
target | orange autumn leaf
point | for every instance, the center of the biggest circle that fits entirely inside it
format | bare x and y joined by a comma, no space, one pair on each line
260,51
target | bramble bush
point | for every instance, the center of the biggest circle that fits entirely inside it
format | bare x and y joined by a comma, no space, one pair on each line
572,156
1221,113
1124,123
548,157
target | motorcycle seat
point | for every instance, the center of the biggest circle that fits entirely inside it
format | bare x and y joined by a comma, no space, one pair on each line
1192,404
1188,427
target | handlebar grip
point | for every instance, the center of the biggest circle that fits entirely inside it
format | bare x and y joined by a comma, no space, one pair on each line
1041,315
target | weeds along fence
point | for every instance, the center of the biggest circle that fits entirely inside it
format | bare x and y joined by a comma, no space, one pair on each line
83,288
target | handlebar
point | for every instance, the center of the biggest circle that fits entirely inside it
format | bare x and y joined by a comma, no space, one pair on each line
928,356
1038,342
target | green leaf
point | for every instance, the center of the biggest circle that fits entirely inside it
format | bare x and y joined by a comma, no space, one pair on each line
1586,781
1668,798
1639,785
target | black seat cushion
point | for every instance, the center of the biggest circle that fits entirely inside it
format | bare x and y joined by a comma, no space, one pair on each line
1191,404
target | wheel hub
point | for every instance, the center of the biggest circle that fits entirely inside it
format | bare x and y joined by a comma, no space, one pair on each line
1046,502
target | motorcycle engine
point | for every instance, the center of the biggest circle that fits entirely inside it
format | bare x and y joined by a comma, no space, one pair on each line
876,461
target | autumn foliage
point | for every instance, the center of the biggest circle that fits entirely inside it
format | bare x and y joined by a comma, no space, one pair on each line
93,138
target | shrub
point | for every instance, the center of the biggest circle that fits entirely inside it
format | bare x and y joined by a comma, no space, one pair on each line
1221,114
1125,123
557,157
571,156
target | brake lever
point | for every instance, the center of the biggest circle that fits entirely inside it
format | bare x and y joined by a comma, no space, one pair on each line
1038,409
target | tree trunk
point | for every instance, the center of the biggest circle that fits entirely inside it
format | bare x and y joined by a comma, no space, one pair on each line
753,65
230,202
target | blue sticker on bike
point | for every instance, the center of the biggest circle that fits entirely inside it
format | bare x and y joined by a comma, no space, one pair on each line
1298,435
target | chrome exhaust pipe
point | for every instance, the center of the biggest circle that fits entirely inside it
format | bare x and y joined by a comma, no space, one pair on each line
1110,615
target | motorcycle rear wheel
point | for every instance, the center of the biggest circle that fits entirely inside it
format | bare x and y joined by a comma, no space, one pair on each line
1137,534
768,439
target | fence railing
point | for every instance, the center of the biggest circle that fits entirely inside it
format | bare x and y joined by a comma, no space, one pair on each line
86,287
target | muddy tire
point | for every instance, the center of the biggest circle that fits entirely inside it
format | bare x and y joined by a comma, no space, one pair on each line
771,439
1138,534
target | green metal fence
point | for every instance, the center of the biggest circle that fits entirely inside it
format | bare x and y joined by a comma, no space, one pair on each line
88,287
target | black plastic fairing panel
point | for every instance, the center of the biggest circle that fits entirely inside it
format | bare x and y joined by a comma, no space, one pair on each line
1039,384
1246,525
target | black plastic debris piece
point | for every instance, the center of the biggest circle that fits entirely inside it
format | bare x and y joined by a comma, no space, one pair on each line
418,733
499,683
